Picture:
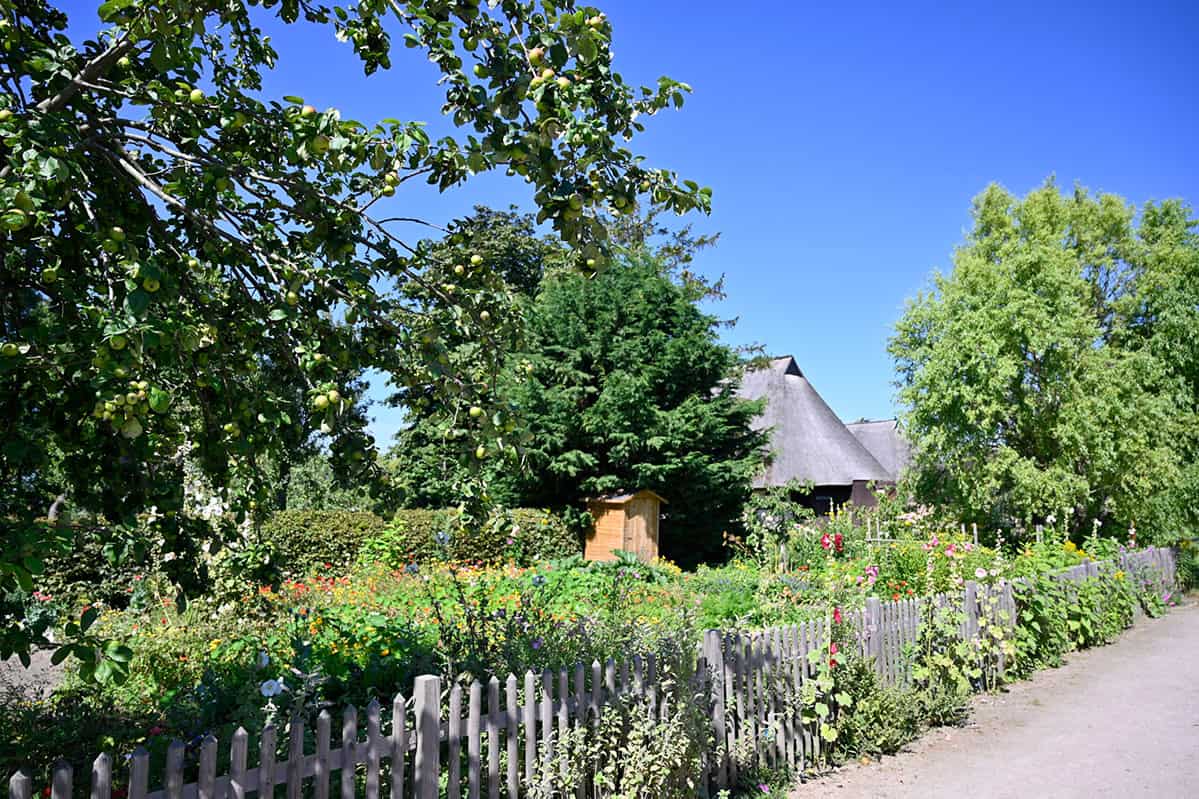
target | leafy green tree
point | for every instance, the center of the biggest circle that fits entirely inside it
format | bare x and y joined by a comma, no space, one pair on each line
1023,398
622,384
189,270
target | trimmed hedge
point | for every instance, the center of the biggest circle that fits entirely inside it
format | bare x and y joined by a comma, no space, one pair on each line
309,541
304,541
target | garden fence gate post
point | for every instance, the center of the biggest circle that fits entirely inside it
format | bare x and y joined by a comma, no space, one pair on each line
427,765
874,631
713,661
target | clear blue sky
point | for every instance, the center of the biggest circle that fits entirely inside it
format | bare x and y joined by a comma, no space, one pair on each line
845,142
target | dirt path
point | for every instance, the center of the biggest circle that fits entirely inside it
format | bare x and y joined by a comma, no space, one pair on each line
1118,721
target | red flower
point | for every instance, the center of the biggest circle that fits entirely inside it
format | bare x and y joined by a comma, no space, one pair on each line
839,542
46,791
836,617
895,595
825,541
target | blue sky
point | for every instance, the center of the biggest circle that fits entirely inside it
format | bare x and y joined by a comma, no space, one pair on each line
844,142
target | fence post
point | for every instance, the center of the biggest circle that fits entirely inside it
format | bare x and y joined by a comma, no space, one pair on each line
874,631
427,766
713,661
20,786
970,600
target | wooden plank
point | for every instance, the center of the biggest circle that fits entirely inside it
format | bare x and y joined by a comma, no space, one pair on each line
597,691
530,725
238,750
563,718
206,775
580,714
20,786
173,783
139,773
651,684
320,765
427,773
349,754
512,735
62,777
400,740
266,763
454,747
473,744
714,663
493,738
102,778
374,748
547,716
295,759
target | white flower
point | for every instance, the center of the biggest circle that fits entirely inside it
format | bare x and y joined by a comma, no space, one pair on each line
272,688
980,573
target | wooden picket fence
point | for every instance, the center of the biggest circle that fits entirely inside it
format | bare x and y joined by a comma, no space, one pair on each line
491,740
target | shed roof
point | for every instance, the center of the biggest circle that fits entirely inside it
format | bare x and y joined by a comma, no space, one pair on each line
621,499
886,443
809,442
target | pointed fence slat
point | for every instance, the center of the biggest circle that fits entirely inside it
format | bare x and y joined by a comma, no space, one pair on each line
454,733
512,736
474,716
493,738
102,778
320,769
349,745
374,748
206,776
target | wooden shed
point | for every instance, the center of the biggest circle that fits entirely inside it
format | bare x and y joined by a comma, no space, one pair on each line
624,521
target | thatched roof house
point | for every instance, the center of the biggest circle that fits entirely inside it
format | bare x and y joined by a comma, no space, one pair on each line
885,442
810,444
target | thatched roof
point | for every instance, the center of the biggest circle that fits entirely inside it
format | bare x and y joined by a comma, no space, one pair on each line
885,442
809,442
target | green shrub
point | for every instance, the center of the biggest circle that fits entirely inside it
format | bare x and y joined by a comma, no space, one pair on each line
523,535
305,541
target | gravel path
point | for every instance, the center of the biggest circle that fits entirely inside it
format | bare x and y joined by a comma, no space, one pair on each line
1117,721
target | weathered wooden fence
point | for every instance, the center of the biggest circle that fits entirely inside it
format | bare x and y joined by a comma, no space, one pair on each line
490,740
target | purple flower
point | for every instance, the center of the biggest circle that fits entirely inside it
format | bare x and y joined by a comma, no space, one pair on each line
537,643
763,787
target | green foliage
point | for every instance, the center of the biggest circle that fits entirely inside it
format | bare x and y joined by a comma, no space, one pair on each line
310,541
1033,377
522,535
202,276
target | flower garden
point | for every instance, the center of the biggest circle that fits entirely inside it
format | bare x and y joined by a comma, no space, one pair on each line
287,649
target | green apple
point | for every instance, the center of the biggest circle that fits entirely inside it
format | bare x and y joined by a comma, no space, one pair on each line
237,121
459,270
536,55
475,260
319,144
15,219
485,316
307,111
547,73
320,402
481,71
480,452
49,275
23,201
563,82
196,96
292,298
123,62
193,262
9,350
387,191
475,411
334,396
391,179
576,202
117,342
117,234
5,114
151,285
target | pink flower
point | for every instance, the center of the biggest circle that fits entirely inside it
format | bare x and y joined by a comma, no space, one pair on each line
838,542
832,648
825,541
980,573
836,615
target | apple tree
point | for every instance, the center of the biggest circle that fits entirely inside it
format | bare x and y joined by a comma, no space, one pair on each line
190,269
